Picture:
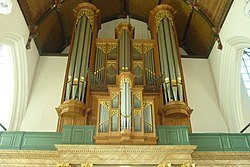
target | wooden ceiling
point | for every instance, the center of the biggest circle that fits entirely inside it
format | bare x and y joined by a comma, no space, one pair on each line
197,21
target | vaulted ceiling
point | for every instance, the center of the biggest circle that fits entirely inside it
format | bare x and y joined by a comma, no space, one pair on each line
197,21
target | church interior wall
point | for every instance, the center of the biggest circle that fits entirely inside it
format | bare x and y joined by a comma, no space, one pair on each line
236,25
202,98
46,95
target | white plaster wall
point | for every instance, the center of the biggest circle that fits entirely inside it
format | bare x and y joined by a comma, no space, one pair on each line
14,26
202,98
15,23
46,95
235,25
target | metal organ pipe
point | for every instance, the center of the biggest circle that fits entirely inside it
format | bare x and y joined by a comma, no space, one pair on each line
79,60
169,61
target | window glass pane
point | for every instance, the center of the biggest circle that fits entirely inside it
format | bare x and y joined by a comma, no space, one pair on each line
245,77
247,84
243,70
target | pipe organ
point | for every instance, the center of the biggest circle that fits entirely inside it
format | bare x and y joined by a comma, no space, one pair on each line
124,86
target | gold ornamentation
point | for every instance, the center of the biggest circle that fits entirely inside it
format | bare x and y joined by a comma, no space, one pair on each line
114,95
125,80
146,104
138,95
87,165
64,165
114,112
111,64
161,15
88,13
111,46
147,47
106,47
138,47
139,64
102,46
105,104
137,112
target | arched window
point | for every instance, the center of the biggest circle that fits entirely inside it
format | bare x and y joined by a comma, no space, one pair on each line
13,80
6,84
245,69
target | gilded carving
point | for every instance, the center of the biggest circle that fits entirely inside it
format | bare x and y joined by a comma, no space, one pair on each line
114,95
111,64
125,80
146,104
102,46
139,64
111,46
105,104
64,165
138,95
161,15
88,13
87,165
137,112
147,47
106,47
138,47
114,112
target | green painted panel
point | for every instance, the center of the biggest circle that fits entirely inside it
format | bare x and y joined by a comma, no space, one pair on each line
40,140
226,143
221,142
11,140
239,143
78,134
172,135
206,143
89,133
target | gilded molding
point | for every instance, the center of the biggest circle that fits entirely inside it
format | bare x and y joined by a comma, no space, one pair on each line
87,165
125,80
139,64
147,47
114,94
106,47
161,15
138,47
102,46
111,46
64,165
146,104
88,13
138,95
137,112
114,112
106,104
111,63
143,48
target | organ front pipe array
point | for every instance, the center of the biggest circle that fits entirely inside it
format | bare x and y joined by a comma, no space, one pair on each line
74,110
174,110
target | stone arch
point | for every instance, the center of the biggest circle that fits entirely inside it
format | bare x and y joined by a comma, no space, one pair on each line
20,73
229,87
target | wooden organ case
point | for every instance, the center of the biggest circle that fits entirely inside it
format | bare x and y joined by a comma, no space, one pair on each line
124,86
